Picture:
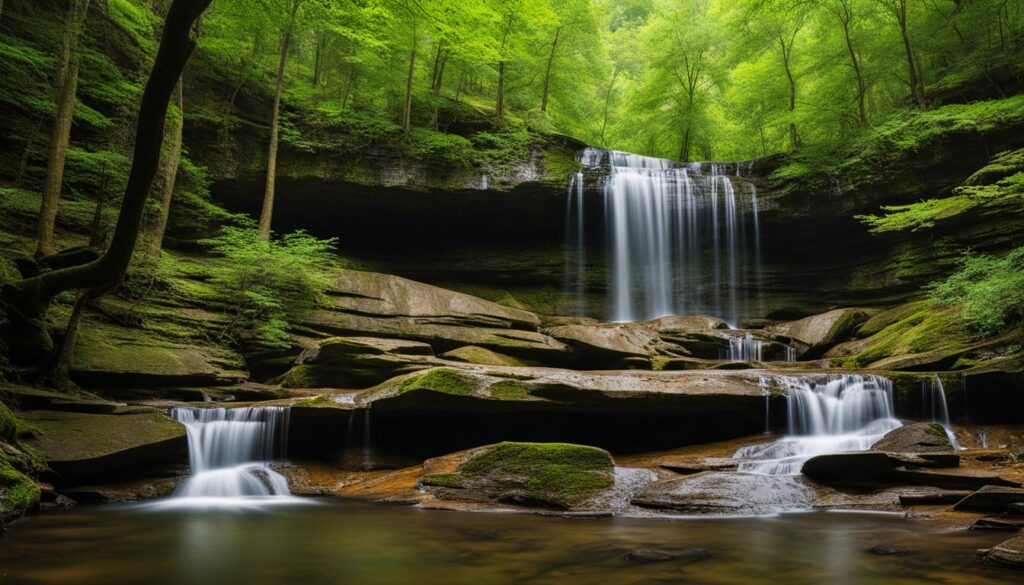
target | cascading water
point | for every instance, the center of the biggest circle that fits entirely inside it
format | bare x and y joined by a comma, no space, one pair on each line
228,451
827,414
934,409
677,237
746,348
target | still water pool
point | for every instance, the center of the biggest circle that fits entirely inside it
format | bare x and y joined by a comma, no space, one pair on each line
340,542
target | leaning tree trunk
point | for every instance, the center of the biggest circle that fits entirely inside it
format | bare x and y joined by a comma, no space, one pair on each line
267,213
913,71
27,300
547,71
67,79
407,107
166,177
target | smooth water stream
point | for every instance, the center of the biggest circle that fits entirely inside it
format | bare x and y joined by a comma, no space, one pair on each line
934,409
228,452
359,544
827,414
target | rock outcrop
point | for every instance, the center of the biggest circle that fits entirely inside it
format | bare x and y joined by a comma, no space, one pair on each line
915,438
722,493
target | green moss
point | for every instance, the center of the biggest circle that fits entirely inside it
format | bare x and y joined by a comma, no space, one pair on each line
445,480
18,494
509,390
444,380
8,425
927,329
936,430
472,354
558,473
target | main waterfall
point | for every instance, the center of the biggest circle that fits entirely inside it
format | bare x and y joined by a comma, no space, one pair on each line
228,451
827,414
678,237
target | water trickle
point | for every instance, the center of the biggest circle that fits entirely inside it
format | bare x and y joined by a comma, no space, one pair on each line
827,414
767,393
677,236
746,348
575,258
934,409
229,450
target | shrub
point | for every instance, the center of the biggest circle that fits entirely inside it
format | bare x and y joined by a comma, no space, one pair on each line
265,284
988,290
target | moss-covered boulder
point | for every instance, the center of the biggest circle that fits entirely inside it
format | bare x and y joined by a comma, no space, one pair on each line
19,495
114,356
81,446
547,475
472,354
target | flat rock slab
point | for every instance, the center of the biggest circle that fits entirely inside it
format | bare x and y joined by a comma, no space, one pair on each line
1009,554
80,447
990,499
1004,523
717,493
108,355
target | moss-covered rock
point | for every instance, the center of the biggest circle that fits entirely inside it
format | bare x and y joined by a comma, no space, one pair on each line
472,354
19,495
8,424
81,446
357,362
554,475
442,380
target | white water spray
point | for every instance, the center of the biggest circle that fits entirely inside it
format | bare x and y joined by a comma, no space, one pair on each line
827,414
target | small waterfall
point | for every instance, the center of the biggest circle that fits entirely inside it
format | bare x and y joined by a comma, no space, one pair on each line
767,393
827,414
229,449
934,409
575,257
677,236
745,349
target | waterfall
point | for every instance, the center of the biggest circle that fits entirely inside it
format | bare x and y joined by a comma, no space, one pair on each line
934,409
228,451
677,237
827,414
746,349
575,258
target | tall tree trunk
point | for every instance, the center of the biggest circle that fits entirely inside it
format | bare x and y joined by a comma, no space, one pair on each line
437,65
439,83
547,71
349,85
862,111
684,148
607,103
267,213
166,177
913,72
67,76
28,299
407,108
318,59
794,136
499,108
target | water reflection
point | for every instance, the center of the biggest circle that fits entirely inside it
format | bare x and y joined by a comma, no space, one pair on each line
355,543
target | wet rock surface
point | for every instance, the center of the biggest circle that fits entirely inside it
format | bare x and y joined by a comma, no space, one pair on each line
727,494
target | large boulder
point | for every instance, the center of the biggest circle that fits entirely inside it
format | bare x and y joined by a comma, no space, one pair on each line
727,494
357,362
819,332
915,438
82,446
18,493
549,475
607,343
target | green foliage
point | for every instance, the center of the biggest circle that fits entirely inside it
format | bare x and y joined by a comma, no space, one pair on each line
266,284
988,291
18,494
